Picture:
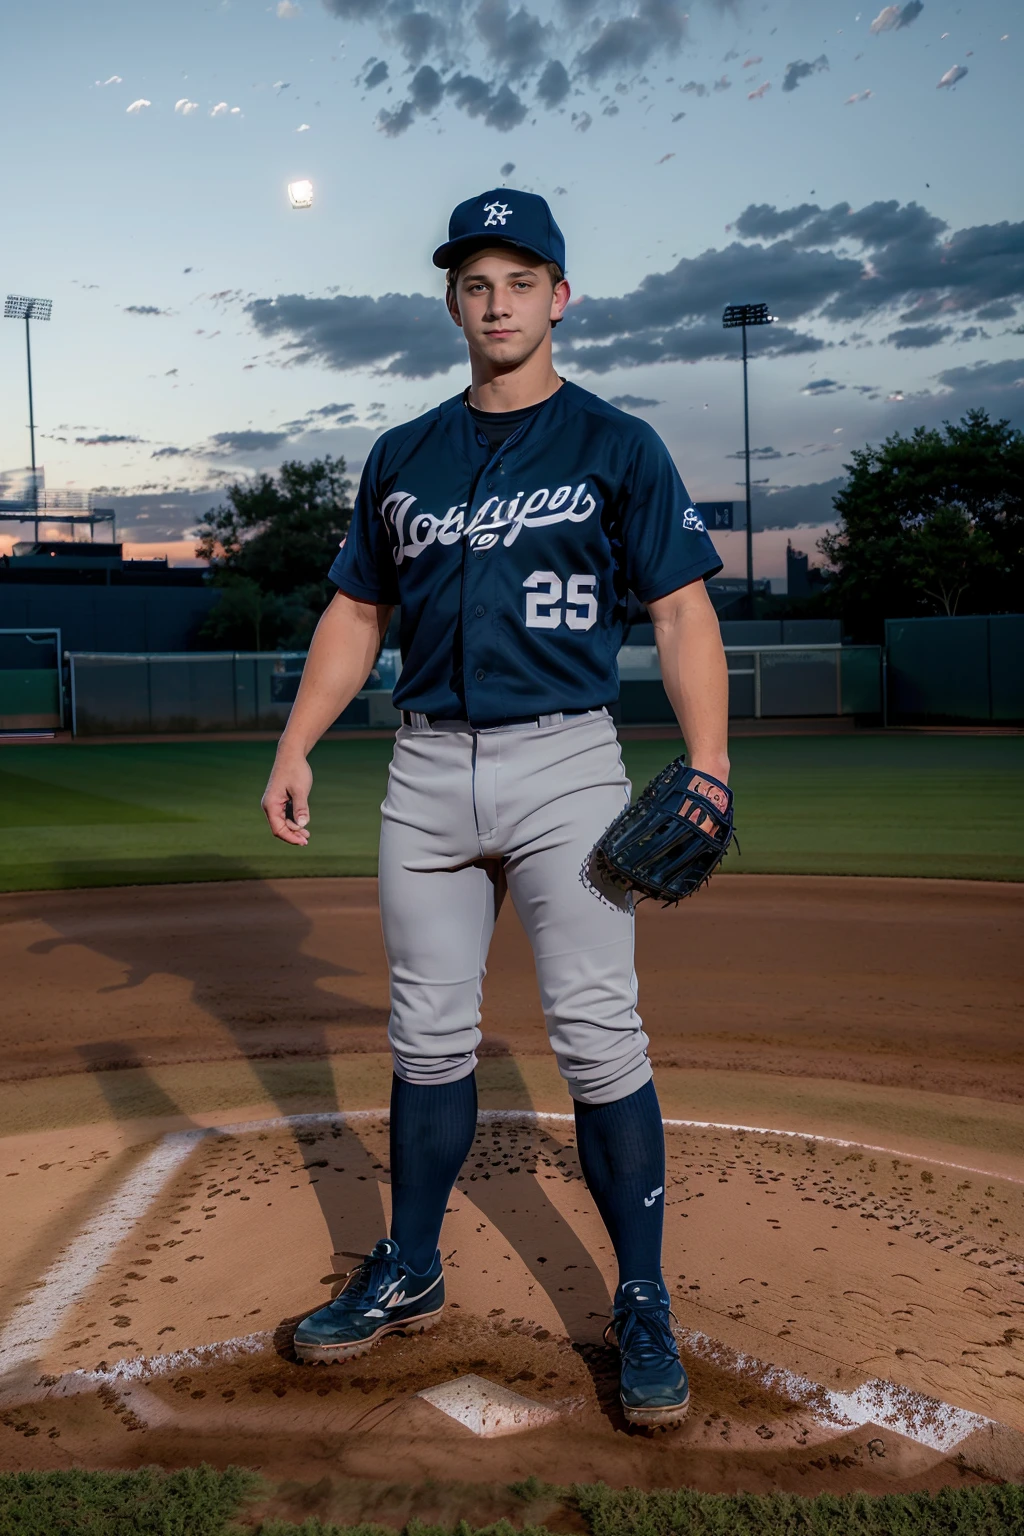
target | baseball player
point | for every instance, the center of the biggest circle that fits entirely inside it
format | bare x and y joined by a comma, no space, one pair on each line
509,523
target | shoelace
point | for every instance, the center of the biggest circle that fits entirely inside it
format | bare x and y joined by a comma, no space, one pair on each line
647,1335
365,1278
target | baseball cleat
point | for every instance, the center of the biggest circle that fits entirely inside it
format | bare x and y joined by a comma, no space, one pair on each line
382,1296
653,1387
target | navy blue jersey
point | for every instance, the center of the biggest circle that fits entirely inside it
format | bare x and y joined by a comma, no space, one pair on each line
512,568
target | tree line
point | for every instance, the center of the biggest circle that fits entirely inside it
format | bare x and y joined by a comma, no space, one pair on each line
930,523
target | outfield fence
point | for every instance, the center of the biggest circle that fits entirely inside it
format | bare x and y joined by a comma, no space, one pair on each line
31,696
163,693
765,681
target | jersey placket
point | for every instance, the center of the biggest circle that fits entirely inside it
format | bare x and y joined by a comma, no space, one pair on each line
480,581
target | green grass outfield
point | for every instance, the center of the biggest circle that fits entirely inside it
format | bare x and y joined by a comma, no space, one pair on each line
201,1502
98,814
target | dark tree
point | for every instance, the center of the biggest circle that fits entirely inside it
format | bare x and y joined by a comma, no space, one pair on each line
932,523
270,546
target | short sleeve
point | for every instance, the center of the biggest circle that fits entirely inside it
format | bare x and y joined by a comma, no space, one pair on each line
364,566
666,543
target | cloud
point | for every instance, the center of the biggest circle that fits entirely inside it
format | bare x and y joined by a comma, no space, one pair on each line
375,75
909,13
186,107
886,19
851,101
426,91
632,402
408,335
113,80
800,69
553,86
286,10
507,168
220,110
302,128
171,453
910,258
336,415
104,439
950,78
626,42
822,387
144,309
138,106
756,95
1001,377
224,443
892,17
796,506
494,55
762,455
916,336
514,40
887,262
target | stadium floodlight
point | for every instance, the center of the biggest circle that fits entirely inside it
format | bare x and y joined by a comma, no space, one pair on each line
18,306
300,194
733,316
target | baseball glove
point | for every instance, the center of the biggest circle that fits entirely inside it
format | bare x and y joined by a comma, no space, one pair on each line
672,839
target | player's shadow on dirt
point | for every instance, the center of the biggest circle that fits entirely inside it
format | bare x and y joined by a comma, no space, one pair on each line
518,1205
277,1019
165,931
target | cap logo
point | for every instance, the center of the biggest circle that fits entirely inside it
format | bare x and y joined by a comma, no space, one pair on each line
496,213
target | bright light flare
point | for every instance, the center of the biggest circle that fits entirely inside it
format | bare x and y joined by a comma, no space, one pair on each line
300,194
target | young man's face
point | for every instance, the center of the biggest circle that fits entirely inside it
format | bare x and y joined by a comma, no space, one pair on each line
505,303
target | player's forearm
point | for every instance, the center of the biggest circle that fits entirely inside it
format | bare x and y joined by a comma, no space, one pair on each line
695,675
341,657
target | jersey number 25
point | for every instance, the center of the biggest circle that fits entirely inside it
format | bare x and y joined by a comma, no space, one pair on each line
544,601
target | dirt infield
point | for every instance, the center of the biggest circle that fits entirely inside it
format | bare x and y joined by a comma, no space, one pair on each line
180,1177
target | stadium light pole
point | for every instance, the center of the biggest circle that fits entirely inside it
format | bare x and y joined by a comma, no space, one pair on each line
18,307
744,315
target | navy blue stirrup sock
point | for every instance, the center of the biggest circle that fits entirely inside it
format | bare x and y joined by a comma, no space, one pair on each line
622,1153
432,1130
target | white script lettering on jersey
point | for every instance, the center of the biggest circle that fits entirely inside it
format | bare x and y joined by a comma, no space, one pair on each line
412,532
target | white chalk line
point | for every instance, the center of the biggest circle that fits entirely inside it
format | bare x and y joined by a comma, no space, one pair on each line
510,1116
34,1323
927,1420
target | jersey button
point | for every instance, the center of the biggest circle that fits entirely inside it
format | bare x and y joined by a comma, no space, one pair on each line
481,439
480,610
480,674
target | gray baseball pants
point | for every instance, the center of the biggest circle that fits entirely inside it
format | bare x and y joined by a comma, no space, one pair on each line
471,813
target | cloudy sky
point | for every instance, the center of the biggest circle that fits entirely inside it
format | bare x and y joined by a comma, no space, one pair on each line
851,167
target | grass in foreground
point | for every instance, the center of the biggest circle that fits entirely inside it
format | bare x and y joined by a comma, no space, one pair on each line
146,813
202,1502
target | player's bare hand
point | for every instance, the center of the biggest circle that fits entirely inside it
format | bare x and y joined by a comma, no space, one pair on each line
286,801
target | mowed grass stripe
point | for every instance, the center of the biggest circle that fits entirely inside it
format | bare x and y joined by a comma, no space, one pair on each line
155,812
201,1502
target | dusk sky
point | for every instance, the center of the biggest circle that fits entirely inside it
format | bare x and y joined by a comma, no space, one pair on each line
857,169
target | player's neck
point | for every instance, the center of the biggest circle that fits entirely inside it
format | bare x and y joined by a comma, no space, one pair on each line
514,389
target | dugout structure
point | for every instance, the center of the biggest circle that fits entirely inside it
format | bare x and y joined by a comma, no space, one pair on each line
31,695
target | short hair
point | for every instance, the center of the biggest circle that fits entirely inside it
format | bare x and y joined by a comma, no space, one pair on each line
552,268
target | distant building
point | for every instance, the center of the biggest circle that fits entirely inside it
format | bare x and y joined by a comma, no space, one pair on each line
802,579
99,600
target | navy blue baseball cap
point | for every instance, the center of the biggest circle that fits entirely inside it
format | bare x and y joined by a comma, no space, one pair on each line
502,217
